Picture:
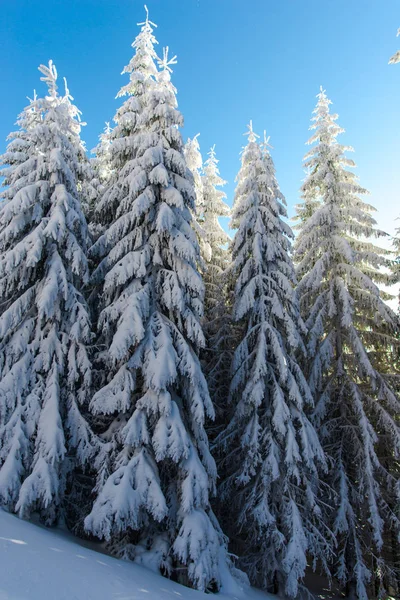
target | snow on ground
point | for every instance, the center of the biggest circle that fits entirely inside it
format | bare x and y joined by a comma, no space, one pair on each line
48,564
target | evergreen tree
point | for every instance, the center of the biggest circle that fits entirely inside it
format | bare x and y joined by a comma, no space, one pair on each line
307,207
87,185
101,179
102,161
218,326
153,492
213,208
351,343
194,162
396,57
45,371
271,450
20,143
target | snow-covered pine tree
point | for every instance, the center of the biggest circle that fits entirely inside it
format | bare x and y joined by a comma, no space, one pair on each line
122,149
31,116
396,57
19,143
102,160
45,371
310,199
213,208
101,179
154,492
271,451
87,184
307,206
194,163
209,205
218,326
351,343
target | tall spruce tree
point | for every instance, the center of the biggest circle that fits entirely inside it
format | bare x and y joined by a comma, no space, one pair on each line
194,163
87,184
307,206
45,371
101,179
153,493
270,449
19,143
214,207
218,326
351,345
102,161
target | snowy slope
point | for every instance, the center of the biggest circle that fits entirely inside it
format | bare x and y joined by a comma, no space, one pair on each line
42,564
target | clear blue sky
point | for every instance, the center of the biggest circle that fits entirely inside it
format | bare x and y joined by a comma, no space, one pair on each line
262,60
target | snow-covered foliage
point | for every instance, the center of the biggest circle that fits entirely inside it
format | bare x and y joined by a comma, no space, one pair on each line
194,162
20,142
101,173
214,207
308,205
396,57
218,326
271,452
293,374
87,184
45,372
352,343
154,489
101,162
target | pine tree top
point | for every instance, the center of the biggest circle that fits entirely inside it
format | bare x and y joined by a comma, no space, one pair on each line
338,213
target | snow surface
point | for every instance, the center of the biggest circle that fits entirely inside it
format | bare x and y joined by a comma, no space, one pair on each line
38,563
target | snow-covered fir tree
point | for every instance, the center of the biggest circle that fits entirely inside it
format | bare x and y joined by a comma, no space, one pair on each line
87,184
194,162
396,57
209,206
271,452
101,173
45,372
307,206
218,327
153,493
19,142
118,144
31,116
102,161
214,207
351,345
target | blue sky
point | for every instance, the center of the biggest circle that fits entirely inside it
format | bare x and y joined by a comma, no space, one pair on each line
262,60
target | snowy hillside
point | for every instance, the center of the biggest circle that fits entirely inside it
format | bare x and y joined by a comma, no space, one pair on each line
38,563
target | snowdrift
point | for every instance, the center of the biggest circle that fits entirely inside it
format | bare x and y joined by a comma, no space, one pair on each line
49,564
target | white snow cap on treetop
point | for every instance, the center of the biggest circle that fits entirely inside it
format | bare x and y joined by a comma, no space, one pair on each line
250,133
165,63
147,22
265,143
50,77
